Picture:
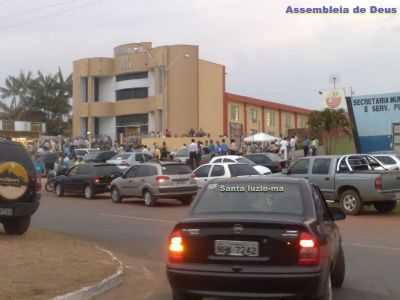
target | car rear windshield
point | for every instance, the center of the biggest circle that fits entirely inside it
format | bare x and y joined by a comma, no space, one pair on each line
175,169
267,198
92,155
242,170
107,170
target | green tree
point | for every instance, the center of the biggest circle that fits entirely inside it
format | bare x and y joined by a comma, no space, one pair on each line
16,96
328,123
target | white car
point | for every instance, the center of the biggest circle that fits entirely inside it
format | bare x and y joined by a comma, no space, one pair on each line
207,172
389,161
242,160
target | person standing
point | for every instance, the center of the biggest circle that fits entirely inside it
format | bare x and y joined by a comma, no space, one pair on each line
314,146
306,146
199,153
284,149
224,147
164,151
211,147
232,147
157,152
192,154
292,146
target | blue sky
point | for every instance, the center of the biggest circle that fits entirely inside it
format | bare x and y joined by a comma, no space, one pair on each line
268,54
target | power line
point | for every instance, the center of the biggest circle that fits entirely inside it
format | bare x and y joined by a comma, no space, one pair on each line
45,16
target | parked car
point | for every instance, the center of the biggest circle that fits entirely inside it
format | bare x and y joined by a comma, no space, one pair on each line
389,161
182,155
351,180
270,160
210,171
87,180
82,152
19,188
240,159
257,237
98,156
124,160
155,180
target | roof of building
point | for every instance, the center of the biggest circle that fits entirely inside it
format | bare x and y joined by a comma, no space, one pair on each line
266,103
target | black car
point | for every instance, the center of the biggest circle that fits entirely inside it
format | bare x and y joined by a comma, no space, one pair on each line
257,237
270,160
99,156
87,179
19,188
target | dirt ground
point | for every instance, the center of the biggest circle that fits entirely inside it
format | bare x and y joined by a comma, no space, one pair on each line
42,265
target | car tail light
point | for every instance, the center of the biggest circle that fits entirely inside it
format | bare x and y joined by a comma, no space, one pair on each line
97,179
378,183
176,246
161,179
309,252
38,184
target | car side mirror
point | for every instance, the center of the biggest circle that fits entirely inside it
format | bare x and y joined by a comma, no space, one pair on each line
285,171
337,213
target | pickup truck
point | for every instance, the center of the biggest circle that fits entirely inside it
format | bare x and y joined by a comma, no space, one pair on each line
351,180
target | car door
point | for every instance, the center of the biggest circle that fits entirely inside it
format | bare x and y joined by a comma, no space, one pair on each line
327,227
201,174
68,180
126,185
300,168
83,177
321,168
139,180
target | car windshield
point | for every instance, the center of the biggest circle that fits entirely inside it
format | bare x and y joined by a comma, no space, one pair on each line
244,160
276,198
175,169
242,170
121,156
92,155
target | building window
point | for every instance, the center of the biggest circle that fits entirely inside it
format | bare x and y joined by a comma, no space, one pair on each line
84,89
270,119
96,89
303,122
8,125
235,113
288,120
130,76
132,93
253,115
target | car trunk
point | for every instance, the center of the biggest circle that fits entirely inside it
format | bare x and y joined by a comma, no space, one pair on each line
250,241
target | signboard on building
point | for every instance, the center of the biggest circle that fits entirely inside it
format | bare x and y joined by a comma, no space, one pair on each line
376,120
334,99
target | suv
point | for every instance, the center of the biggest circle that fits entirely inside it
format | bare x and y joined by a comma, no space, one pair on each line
19,188
155,180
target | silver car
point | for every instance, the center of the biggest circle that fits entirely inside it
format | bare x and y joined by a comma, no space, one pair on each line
152,181
127,159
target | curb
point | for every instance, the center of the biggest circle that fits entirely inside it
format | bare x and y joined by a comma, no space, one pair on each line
100,287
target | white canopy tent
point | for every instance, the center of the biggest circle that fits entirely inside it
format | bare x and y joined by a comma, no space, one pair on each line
260,137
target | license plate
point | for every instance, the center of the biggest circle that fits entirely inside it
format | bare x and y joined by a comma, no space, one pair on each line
236,248
8,212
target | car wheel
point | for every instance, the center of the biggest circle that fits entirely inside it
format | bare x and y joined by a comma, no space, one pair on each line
328,295
17,226
88,192
385,207
350,202
187,200
115,195
59,190
149,199
179,295
339,271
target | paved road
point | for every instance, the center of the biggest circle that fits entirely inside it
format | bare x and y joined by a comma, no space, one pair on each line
372,243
